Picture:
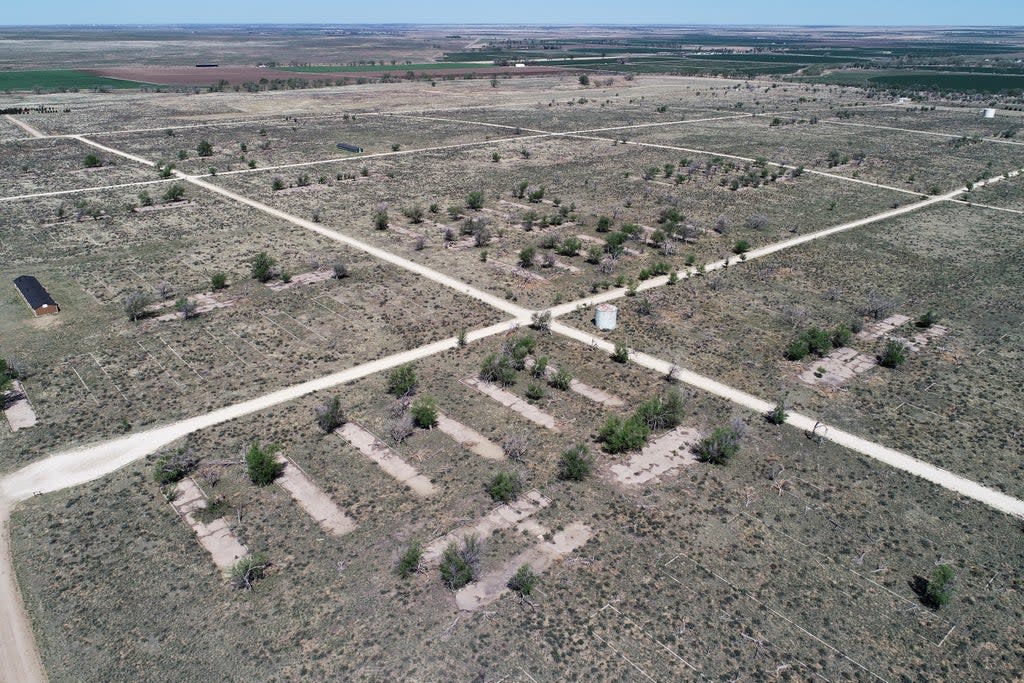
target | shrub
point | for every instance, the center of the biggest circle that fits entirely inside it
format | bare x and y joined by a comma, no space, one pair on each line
409,562
620,354
741,247
461,564
541,321
402,380
814,340
540,367
584,79
928,319
526,256
798,349
380,219
938,592
777,415
330,415
575,464
604,224
7,375
135,305
534,391
560,379
523,581
720,446
424,412
570,246
893,355
498,368
173,467
263,467
340,270
92,161
186,307
663,412
475,200
277,184
841,336
218,281
414,214
619,435
505,487
174,193
262,267
204,148
249,570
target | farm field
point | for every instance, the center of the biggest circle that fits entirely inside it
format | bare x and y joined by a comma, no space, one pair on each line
954,401
60,79
284,377
649,588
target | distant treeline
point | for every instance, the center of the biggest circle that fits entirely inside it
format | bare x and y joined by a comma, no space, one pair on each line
30,110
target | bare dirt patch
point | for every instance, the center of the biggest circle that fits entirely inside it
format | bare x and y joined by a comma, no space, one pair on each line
216,537
389,461
17,408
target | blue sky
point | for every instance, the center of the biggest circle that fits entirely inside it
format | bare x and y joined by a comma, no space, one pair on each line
775,12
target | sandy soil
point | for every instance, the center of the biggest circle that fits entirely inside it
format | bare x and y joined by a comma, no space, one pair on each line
493,585
470,438
389,461
515,514
314,500
216,536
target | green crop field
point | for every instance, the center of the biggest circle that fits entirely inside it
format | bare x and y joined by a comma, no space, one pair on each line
60,79
380,67
953,81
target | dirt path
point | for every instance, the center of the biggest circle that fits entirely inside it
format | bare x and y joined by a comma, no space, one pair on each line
540,557
25,127
901,461
469,438
18,653
386,459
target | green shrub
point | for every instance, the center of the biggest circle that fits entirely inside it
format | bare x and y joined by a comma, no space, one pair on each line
741,247
409,562
534,391
505,487
798,349
218,281
330,415
560,379
249,570
461,564
402,380
174,193
938,593
570,246
527,255
928,319
262,464
523,581
893,355
661,413
604,224
540,367
475,200
719,447
575,464
262,267
498,368
424,412
777,415
619,435
204,148
620,354
841,336
92,161
277,184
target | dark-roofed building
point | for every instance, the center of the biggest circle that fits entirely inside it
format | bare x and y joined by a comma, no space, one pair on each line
39,300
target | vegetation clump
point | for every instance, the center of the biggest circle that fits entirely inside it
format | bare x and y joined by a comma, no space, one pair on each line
893,355
505,487
424,412
409,562
262,465
330,415
575,464
402,381
523,581
721,445
460,564
248,570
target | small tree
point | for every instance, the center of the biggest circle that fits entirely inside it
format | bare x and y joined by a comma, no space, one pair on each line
424,412
527,255
523,581
938,592
218,281
621,353
777,415
204,148
409,562
380,219
460,564
330,415
249,570
584,79
135,306
340,270
893,355
174,193
262,464
262,266
575,464
402,380
505,487
741,247
92,161
475,200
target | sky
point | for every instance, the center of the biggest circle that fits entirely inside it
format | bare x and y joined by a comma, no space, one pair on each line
772,12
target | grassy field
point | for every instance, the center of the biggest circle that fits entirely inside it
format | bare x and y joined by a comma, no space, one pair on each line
49,80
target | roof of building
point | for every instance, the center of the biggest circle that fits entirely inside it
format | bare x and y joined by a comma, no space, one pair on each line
35,294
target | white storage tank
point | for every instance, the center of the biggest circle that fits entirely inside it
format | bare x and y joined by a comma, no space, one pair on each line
605,316
990,113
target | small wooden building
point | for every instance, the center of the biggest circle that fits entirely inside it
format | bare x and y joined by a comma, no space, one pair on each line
38,299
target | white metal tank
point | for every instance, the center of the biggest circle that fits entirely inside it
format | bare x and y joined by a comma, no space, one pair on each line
990,113
605,316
